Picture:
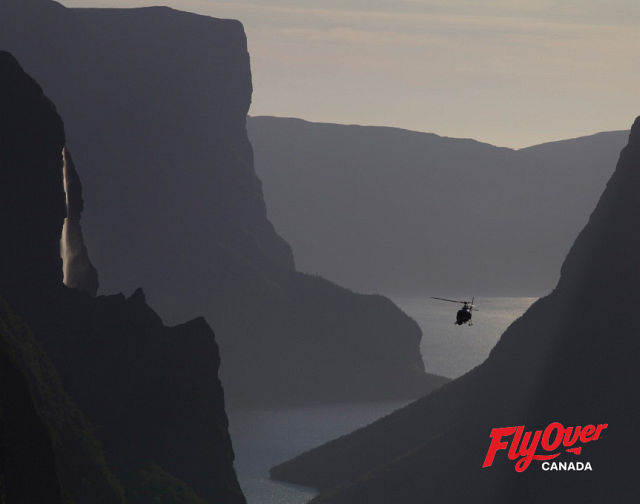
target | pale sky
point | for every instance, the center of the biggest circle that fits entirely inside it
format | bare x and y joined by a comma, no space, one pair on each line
509,72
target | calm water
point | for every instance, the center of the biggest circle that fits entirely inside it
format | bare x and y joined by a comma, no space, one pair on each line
452,350
264,438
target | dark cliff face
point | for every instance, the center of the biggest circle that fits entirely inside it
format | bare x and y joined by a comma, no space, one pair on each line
571,358
80,464
151,390
155,104
34,178
31,140
33,207
27,464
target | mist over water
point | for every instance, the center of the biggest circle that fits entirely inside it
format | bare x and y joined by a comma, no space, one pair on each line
266,437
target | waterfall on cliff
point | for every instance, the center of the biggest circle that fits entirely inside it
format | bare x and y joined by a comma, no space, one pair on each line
78,272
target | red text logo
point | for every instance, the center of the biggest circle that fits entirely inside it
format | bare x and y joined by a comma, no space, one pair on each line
526,446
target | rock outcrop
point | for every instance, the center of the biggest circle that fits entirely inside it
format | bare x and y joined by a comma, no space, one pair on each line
155,105
571,358
151,391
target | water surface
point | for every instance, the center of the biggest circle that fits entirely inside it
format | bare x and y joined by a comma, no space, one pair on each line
263,438
266,437
451,350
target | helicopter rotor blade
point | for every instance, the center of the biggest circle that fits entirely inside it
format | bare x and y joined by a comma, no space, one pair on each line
450,300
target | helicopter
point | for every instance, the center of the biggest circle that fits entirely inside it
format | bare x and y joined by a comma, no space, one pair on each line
464,314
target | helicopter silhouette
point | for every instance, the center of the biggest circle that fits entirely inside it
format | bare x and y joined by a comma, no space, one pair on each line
464,314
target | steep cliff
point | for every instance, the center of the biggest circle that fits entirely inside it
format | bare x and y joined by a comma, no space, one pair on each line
31,136
155,104
571,358
33,208
151,391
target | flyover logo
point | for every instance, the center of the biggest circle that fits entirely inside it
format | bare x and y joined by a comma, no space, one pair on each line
527,446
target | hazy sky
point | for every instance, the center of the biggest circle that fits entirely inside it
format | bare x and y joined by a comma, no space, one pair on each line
509,72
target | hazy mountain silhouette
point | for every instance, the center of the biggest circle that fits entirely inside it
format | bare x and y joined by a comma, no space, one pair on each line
392,210
151,391
155,104
571,358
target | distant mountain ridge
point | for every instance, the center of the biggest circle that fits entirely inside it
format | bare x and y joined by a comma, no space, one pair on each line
391,210
571,358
